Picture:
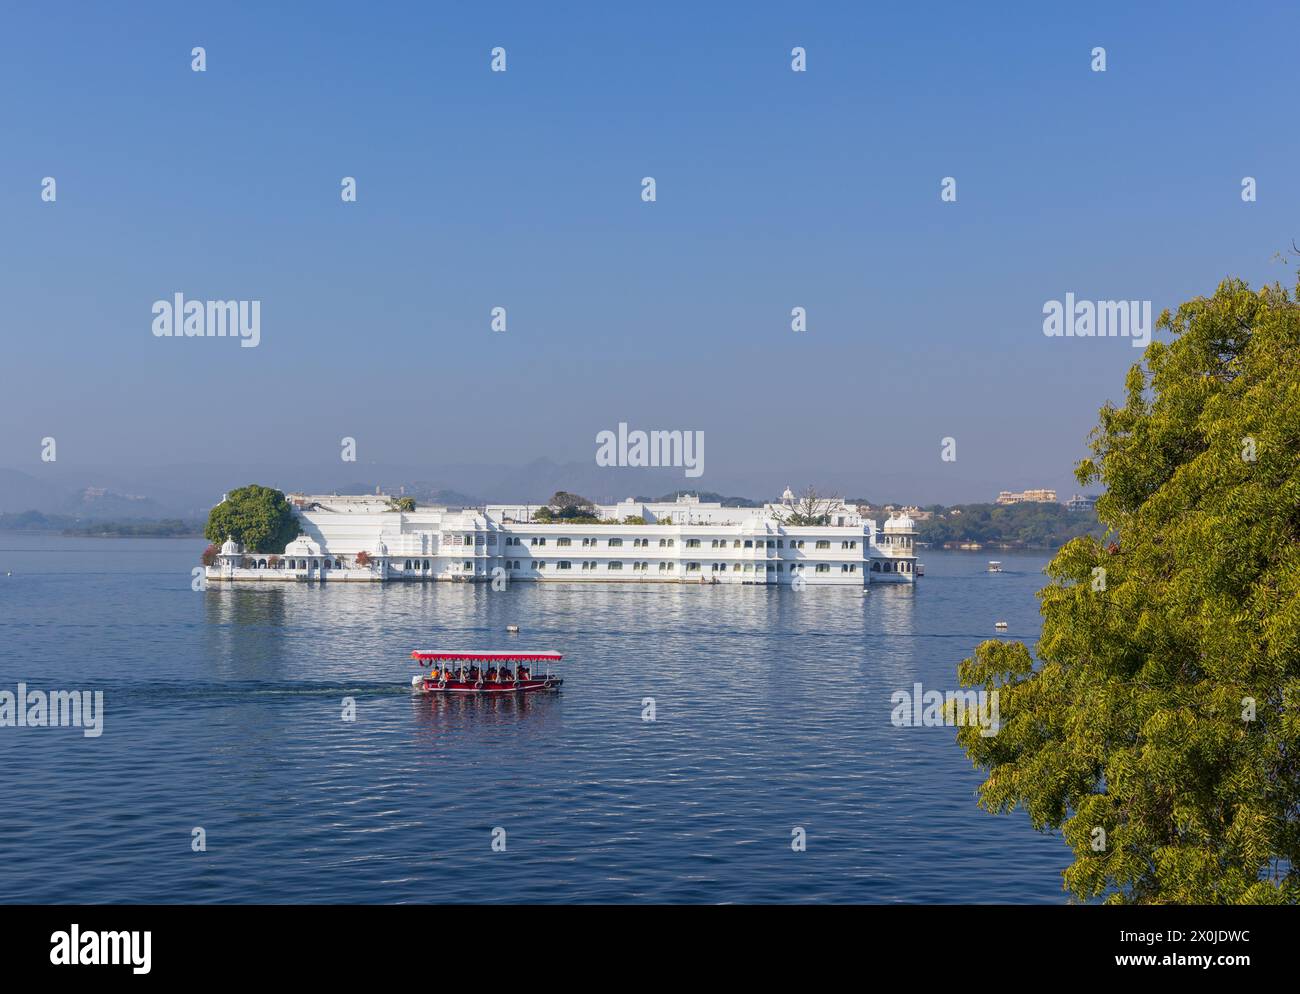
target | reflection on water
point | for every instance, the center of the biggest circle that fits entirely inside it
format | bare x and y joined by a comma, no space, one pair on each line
225,709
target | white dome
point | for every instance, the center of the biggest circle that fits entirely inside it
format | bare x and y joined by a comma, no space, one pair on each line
902,523
788,495
302,546
230,547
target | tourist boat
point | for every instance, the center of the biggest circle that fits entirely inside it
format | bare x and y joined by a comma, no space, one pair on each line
455,672
995,566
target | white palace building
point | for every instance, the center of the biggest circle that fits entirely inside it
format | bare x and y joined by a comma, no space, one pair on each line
364,539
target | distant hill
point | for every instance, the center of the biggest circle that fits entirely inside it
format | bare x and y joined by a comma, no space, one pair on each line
67,524
167,528
1030,526
35,521
19,491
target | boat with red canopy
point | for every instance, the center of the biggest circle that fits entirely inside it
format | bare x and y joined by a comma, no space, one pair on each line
461,672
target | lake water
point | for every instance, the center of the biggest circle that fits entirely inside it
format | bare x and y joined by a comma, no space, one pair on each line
223,710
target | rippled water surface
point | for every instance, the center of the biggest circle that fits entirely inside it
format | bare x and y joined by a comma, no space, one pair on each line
223,710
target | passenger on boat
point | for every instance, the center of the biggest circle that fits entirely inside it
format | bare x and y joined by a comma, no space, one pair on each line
473,674
433,674
506,675
524,672
492,674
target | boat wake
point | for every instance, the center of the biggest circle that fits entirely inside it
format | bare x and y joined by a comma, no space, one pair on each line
251,691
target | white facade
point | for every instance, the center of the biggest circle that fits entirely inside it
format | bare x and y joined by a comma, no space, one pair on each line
686,541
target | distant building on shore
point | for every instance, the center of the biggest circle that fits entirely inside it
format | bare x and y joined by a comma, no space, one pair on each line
895,510
1043,496
1082,502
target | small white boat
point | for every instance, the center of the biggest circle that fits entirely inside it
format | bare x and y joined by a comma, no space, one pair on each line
999,624
994,566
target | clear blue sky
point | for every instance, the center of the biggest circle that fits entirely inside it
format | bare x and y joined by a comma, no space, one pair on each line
522,189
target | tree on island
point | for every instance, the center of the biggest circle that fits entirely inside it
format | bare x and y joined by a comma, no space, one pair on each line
258,517
1159,728
566,507
808,509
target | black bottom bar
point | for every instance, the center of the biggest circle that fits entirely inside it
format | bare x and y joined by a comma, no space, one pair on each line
335,943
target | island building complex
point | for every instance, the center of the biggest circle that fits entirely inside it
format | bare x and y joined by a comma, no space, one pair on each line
1042,496
364,538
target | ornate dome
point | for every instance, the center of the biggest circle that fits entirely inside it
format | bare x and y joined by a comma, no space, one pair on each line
302,546
231,548
902,523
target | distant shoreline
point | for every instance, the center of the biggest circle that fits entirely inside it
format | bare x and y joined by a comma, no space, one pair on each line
74,533
106,531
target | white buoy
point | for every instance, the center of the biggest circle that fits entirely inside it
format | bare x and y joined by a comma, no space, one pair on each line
512,629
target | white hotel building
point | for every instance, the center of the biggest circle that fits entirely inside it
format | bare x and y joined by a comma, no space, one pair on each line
363,539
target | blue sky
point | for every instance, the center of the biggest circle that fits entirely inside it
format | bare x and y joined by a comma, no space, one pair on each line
522,189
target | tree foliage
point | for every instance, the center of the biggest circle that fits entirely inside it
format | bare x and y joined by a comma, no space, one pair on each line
808,509
564,507
257,516
1159,728
567,505
1032,525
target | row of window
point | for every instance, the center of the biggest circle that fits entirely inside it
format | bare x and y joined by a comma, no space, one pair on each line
639,567
664,543
877,566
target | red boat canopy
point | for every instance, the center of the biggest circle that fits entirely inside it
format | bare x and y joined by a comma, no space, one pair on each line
488,657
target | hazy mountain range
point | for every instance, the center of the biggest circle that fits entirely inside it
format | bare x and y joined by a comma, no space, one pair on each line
189,491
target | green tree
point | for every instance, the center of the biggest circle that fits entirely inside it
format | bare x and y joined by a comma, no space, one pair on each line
257,516
566,506
1159,728
808,509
